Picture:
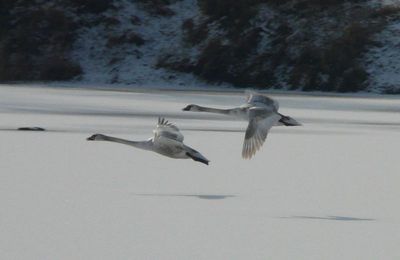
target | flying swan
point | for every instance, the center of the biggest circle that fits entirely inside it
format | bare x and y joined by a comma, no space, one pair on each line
260,111
167,141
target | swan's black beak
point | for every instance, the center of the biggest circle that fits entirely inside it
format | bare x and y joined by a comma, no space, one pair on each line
91,138
187,108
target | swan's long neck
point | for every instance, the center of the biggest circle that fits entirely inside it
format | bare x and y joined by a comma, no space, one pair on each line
215,110
146,145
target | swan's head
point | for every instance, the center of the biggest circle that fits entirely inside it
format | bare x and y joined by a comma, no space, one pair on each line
192,107
96,137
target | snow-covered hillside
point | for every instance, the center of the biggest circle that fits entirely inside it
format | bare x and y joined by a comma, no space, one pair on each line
337,46
124,62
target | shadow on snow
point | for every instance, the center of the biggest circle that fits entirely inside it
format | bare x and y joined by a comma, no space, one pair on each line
198,196
336,218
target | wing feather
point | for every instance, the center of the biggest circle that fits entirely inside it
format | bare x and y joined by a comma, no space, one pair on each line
167,130
256,133
257,99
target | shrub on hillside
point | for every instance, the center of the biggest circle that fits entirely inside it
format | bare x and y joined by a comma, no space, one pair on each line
226,62
341,58
334,67
36,33
214,62
234,16
172,63
194,33
386,11
59,68
158,7
125,38
92,6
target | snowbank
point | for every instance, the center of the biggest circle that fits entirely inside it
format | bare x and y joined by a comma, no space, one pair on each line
326,190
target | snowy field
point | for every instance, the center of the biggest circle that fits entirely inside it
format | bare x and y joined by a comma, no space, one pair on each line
327,190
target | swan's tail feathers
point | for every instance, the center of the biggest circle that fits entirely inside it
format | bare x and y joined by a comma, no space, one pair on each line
196,156
288,121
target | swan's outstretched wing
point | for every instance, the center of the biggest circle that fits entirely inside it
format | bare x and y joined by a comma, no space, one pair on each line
257,99
257,132
167,130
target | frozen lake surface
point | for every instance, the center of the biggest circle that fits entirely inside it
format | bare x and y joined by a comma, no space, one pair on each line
327,190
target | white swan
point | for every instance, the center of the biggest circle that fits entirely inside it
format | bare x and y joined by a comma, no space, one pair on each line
167,141
261,112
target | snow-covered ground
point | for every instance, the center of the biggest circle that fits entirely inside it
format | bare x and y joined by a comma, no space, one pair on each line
326,190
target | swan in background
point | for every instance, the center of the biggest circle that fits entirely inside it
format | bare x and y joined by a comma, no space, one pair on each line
260,111
167,141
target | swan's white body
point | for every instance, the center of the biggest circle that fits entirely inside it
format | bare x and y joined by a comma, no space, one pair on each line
167,140
261,112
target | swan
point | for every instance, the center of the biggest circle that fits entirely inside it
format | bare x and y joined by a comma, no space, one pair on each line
260,111
167,141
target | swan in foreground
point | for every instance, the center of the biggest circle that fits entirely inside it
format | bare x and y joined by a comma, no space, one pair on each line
260,111
167,141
